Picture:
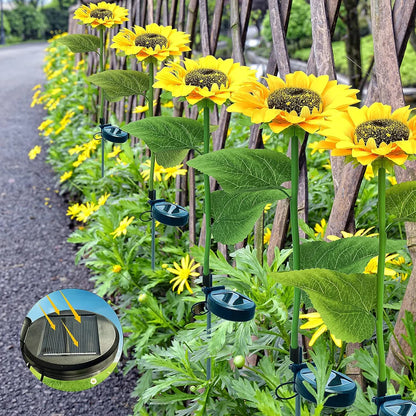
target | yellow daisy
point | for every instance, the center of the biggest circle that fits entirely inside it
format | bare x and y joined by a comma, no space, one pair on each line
157,174
320,228
266,236
122,227
34,152
206,78
315,321
372,135
303,100
183,272
101,15
65,176
154,41
173,172
372,266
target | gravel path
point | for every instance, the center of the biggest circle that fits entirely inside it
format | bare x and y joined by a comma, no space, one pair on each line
35,258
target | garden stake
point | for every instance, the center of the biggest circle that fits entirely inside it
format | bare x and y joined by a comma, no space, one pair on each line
207,282
152,193
102,99
381,208
295,353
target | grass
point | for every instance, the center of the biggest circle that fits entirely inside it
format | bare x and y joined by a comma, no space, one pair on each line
76,385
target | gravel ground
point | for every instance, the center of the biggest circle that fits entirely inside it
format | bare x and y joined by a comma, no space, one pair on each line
35,258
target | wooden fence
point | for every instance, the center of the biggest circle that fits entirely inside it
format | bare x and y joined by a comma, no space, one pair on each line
391,29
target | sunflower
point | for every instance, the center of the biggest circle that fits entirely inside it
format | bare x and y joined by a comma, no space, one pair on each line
101,15
206,78
372,135
154,41
303,100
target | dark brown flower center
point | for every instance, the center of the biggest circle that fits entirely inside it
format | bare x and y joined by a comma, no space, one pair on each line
382,131
150,40
294,99
101,14
206,77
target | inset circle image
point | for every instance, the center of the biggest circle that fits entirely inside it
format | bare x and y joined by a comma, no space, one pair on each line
71,340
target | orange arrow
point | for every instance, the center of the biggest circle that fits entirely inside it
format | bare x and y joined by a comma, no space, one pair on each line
54,306
53,326
69,333
76,316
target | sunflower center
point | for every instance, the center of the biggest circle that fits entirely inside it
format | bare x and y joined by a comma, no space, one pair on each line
101,14
382,131
206,77
294,99
150,40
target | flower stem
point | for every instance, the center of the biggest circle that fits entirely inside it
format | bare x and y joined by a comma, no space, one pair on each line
207,209
294,225
152,165
206,269
150,114
381,208
102,99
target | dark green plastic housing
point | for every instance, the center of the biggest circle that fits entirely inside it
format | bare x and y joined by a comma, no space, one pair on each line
114,134
230,305
52,352
340,388
397,407
170,214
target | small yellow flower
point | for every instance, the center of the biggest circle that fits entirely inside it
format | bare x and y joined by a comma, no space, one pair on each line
103,199
183,273
73,210
315,321
34,152
157,174
267,235
140,109
369,173
320,228
36,87
360,233
45,124
115,152
122,228
265,137
267,207
116,268
35,98
86,210
173,171
65,176
371,267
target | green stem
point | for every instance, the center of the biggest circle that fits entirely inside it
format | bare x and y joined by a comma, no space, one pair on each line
258,238
381,208
150,114
206,269
294,225
102,99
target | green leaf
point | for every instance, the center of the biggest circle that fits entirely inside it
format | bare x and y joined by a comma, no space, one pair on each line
401,201
119,83
347,255
251,178
235,213
170,158
80,43
167,133
345,301
245,169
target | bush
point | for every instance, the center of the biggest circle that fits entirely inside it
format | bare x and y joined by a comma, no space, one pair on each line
26,22
56,20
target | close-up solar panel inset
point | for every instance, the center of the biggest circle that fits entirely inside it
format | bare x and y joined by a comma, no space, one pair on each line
71,345
59,342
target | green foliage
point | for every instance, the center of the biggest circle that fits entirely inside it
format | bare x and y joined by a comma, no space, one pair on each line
345,301
26,22
118,83
168,136
250,179
347,255
80,43
401,201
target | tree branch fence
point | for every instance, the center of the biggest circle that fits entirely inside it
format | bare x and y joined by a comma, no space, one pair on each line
391,27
